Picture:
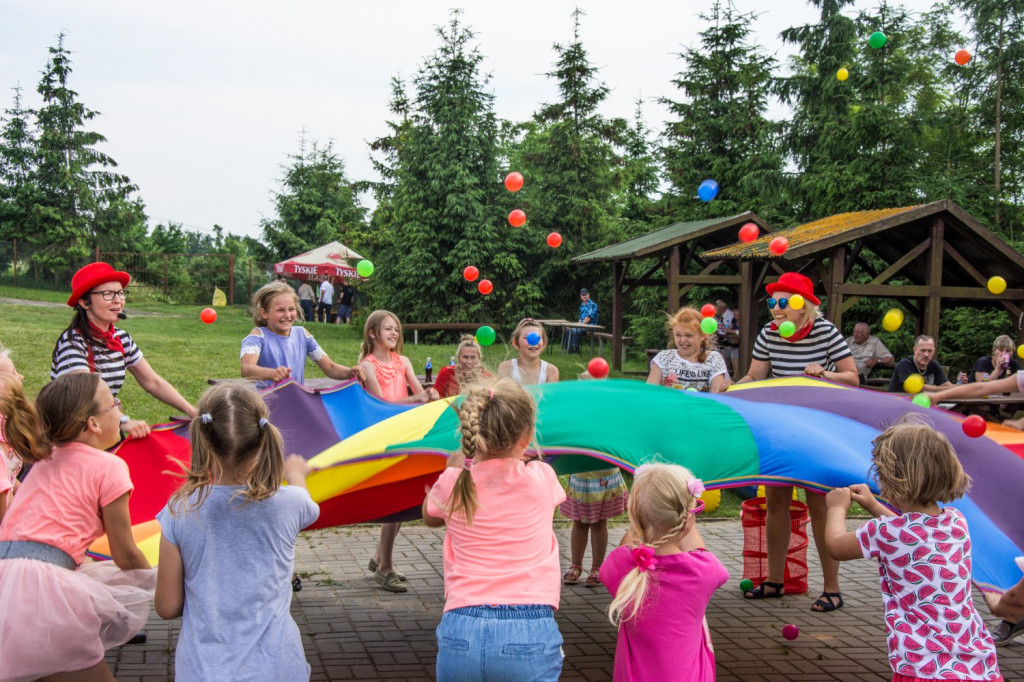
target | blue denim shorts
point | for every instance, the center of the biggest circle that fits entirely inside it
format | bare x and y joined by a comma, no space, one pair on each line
498,643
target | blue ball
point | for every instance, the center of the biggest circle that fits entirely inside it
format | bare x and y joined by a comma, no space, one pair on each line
533,339
708,190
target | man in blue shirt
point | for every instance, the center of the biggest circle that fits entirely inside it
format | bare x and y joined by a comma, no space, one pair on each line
588,315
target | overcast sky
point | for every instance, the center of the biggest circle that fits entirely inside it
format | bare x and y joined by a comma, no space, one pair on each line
202,102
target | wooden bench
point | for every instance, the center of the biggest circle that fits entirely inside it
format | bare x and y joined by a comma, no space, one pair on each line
605,336
418,327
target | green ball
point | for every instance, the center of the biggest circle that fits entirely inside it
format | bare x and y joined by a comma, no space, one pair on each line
787,329
709,325
485,335
922,400
364,268
746,585
877,40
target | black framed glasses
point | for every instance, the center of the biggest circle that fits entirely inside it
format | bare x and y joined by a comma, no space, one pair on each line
111,294
783,302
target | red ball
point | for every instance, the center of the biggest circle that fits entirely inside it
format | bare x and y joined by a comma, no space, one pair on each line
790,631
485,287
554,240
708,310
974,426
962,57
517,217
209,315
514,181
598,368
749,232
471,273
778,245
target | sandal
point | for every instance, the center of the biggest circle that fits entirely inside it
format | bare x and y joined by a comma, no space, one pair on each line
390,582
572,576
827,602
593,579
373,566
778,590
296,584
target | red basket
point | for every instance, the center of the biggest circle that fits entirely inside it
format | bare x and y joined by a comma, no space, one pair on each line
755,553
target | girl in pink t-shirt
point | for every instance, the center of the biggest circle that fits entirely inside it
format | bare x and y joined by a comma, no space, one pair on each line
923,554
661,579
389,375
501,567
75,493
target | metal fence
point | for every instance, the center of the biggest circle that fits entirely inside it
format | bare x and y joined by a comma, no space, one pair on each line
165,277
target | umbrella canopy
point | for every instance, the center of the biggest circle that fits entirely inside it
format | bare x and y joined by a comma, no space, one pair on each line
331,260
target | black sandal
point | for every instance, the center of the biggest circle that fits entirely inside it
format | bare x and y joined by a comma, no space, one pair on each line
760,593
826,602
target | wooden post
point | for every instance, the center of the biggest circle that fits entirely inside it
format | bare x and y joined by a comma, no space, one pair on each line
933,304
250,278
617,270
748,318
166,282
674,266
837,274
231,279
15,262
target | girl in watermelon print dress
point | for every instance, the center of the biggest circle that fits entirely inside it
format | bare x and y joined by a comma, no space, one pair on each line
923,553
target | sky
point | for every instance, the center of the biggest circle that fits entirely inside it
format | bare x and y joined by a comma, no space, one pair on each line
203,102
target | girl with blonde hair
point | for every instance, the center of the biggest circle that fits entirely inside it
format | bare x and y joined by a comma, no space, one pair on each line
496,499
661,580
228,545
468,370
694,363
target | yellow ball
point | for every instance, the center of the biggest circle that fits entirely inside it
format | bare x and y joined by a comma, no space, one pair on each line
842,74
712,498
760,492
996,285
892,320
796,302
1020,351
913,384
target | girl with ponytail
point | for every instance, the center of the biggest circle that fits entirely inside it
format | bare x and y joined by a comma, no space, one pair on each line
229,544
501,571
661,580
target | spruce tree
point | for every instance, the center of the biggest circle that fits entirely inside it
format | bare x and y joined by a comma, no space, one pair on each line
720,129
18,151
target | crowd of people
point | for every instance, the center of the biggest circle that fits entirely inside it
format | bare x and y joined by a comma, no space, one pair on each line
233,522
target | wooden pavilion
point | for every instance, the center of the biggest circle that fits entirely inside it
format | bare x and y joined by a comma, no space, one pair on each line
925,257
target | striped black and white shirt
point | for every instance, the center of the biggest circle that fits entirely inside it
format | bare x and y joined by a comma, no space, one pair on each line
72,356
823,345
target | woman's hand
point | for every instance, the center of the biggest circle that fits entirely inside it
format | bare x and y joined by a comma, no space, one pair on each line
814,370
135,428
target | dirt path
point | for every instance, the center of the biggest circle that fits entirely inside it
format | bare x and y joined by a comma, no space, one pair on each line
50,304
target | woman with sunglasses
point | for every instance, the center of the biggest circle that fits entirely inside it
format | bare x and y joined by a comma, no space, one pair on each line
92,343
815,348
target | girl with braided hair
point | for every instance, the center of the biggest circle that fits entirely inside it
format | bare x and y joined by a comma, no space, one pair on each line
661,579
497,499
229,544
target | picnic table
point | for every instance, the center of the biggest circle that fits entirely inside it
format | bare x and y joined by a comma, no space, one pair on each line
990,405
567,324
417,327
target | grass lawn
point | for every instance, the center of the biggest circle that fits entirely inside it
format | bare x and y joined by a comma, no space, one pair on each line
187,352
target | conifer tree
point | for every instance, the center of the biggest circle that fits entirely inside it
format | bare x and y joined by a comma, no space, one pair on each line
18,151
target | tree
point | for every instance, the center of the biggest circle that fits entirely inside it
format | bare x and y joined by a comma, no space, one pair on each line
18,150
640,178
78,199
720,129
318,204
443,210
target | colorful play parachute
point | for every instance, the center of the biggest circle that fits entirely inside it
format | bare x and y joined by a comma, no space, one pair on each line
804,432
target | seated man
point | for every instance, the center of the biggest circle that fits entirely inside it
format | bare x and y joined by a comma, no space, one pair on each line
728,334
921,362
868,351
588,315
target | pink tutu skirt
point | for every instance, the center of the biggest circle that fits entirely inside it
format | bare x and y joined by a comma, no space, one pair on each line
57,620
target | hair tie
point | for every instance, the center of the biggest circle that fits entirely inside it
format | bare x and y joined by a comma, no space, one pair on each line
643,557
640,469
263,422
696,487
467,463
490,392
206,417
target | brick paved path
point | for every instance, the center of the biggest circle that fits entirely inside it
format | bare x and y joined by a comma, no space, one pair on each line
354,630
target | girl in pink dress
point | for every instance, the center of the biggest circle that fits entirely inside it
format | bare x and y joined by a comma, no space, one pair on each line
923,552
388,375
75,493
661,579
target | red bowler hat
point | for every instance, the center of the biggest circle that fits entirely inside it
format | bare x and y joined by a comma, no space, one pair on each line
91,275
794,283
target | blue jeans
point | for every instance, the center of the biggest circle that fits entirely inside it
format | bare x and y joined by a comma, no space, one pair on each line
498,643
307,310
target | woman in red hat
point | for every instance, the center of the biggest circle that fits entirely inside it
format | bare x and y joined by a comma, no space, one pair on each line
813,346
92,343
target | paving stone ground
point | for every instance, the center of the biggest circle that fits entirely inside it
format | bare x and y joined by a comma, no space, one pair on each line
353,630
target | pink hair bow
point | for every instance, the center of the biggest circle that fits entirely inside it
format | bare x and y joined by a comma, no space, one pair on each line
696,487
643,557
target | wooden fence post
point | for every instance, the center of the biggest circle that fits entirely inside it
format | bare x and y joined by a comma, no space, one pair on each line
15,262
231,279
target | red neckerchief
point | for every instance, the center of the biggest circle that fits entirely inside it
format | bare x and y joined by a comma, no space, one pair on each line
796,336
108,338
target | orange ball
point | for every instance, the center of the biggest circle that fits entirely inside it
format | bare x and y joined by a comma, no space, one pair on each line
749,232
209,315
974,426
471,273
962,57
554,240
485,287
517,217
598,368
514,181
778,245
708,310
